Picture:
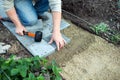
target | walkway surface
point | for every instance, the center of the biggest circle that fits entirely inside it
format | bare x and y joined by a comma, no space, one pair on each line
88,57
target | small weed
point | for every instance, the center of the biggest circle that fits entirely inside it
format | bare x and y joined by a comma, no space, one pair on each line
115,38
103,28
100,28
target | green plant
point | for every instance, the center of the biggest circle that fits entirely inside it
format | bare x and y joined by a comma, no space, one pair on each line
33,68
115,38
100,28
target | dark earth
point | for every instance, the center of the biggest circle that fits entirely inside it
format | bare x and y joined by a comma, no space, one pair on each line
95,9
94,12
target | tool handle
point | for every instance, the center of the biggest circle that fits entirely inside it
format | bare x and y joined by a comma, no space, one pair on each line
29,34
5,19
25,33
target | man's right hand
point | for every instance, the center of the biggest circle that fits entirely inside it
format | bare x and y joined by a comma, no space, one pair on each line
20,29
14,17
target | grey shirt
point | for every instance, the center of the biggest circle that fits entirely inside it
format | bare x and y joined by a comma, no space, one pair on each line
55,5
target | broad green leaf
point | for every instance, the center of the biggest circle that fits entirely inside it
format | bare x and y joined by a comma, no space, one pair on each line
14,72
40,77
23,71
44,61
37,58
32,76
4,67
10,59
58,78
25,79
55,69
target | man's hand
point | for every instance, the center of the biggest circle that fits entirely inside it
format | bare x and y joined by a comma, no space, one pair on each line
57,37
0,17
20,29
14,17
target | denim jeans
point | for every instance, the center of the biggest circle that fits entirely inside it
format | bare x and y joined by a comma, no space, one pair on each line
28,13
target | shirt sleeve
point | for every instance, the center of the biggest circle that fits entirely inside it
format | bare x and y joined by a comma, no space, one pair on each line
8,4
55,5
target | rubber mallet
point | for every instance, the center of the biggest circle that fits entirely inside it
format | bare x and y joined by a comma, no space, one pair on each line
37,36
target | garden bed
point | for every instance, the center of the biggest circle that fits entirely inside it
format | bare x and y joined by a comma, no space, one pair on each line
89,14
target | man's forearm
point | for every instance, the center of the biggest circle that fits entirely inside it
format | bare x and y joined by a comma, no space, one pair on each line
56,21
13,16
56,36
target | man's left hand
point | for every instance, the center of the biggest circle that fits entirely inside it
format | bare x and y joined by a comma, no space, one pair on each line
57,37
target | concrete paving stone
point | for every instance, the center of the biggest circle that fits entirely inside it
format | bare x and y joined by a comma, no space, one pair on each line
47,39
42,49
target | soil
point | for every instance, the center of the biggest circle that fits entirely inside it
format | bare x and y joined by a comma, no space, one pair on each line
87,56
94,12
16,47
91,8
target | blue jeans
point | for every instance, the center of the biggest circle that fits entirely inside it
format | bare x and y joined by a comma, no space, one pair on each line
28,13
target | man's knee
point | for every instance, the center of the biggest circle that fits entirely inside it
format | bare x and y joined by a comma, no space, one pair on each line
30,22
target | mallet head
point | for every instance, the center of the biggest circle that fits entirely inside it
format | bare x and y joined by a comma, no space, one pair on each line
38,36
